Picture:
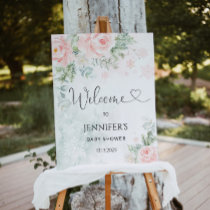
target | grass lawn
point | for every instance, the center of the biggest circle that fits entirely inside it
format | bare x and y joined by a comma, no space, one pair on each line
17,143
9,116
13,94
41,75
197,132
36,111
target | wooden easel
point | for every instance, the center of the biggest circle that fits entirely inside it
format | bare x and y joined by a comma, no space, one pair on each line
103,26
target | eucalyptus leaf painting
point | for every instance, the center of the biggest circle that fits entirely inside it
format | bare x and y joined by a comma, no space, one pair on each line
104,98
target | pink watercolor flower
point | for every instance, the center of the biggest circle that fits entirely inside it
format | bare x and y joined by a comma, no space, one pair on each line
148,154
95,45
61,50
142,52
130,63
104,75
147,72
136,139
126,74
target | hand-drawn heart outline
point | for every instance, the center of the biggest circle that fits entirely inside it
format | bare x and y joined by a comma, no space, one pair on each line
134,93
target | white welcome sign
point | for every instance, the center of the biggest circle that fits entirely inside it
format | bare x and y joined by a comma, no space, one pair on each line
104,98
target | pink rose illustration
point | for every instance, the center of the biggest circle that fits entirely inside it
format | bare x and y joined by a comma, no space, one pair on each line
147,72
95,45
61,51
148,154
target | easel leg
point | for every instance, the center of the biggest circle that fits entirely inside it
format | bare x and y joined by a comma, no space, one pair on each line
108,182
60,200
152,191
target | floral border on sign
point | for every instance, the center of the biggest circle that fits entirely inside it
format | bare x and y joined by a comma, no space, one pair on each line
71,53
144,152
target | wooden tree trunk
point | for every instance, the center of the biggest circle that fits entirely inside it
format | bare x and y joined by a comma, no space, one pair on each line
194,76
15,67
125,16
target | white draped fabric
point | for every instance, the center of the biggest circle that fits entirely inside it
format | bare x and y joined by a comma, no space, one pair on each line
53,181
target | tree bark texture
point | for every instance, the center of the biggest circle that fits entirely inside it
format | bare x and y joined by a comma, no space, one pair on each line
125,16
15,67
128,193
93,197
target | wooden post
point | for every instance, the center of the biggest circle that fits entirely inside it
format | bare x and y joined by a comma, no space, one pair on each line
125,16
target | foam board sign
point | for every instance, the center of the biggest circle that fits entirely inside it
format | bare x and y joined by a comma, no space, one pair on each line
104,98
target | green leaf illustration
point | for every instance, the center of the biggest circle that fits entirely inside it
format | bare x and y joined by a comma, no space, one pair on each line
134,149
71,71
121,43
62,95
66,73
74,44
86,71
103,62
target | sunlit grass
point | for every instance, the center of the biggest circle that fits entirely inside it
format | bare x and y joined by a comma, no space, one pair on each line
4,71
32,73
4,74
4,77
27,69
47,80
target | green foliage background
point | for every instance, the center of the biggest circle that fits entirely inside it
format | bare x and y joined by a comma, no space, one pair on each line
181,30
25,30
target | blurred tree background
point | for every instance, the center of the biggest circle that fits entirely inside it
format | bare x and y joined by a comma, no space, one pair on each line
26,97
25,29
181,31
